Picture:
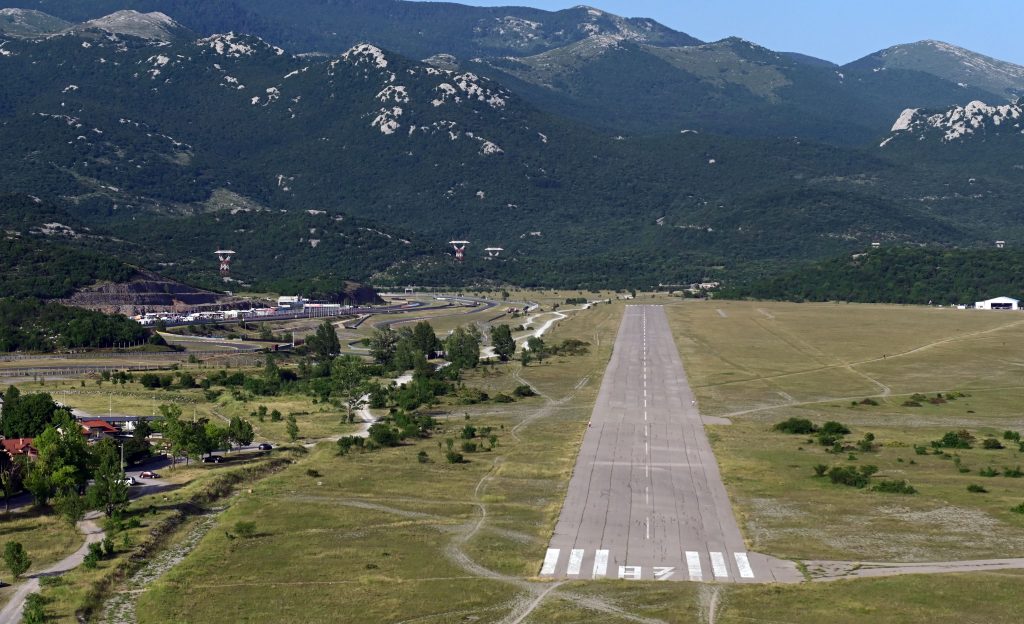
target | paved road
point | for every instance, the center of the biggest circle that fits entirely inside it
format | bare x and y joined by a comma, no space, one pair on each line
646,500
12,611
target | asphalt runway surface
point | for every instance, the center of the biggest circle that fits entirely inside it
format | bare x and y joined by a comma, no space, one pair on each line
646,500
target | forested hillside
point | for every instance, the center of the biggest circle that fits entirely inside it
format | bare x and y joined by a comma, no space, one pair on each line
898,275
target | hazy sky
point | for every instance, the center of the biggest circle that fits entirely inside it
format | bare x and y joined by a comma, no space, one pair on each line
837,30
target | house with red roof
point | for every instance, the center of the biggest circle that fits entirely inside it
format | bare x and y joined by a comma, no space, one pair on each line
15,447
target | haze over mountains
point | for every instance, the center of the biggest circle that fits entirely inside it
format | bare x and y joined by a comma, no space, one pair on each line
591,146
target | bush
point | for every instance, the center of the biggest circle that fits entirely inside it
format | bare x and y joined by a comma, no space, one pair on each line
909,403
454,458
311,472
992,444
989,471
383,434
869,401
819,470
894,487
835,428
469,447
1011,435
422,457
503,398
245,528
800,426
920,450
955,439
523,391
1013,473
1018,509
35,611
468,432
977,489
847,476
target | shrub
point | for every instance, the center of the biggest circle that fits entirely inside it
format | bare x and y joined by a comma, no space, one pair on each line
1011,435
469,447
1018,509
422,457
868,470
909,403
245,528
869,401
989,471
454,458
992,444
977,489
34,611
523,391
108,546
847,476
90,561
800,426
468,432
503,398
1013,473
312,472
835,428
894,487
819,470
955,439
920,450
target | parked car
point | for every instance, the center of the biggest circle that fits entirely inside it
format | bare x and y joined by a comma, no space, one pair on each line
213,459
130,481
266,446
148,474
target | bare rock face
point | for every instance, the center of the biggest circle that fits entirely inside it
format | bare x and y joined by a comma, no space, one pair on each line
145,292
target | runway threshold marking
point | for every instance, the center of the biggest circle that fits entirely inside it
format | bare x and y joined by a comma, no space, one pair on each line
693,565
743,563
550,561
718,565
575,561
601,563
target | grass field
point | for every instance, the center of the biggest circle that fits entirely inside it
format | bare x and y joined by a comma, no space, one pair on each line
759,363
381,537
46,538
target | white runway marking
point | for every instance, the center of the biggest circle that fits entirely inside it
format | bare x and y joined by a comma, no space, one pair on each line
550,561
575,561
647,528
693,565
743,563
663,573
718,565
601,563
630,573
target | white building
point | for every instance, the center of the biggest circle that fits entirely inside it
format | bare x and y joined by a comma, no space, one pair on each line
999,303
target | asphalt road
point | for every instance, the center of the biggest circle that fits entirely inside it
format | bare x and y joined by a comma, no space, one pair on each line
646,500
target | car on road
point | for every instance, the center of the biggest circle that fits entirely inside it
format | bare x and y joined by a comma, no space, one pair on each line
130,481
148,474
266,446
213,459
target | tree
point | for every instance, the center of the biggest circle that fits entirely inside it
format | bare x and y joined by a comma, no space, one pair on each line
70,506
383,434
537,347
215,437
324,344
349,380
504,344
109,492
424,338
240,431
292,428
26,416
10,474
16,558
463,348
64,453
382,346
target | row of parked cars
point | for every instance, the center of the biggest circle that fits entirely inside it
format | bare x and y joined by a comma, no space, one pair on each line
209,459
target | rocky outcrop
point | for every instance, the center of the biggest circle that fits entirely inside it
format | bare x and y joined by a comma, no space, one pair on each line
147,292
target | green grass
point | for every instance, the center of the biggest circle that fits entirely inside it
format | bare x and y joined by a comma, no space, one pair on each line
380,537
765,362
46,538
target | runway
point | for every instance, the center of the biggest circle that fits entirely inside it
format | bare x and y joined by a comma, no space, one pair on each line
646,500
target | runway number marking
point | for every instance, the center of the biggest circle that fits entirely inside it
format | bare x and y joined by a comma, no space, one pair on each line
550,561
630,573
718,565
601,563
575,561
693,565
663,573
743,563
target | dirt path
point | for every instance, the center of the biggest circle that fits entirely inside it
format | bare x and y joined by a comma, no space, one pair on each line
12,611
119,608
835,570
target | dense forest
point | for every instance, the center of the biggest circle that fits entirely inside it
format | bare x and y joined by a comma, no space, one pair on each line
897,275
32,325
